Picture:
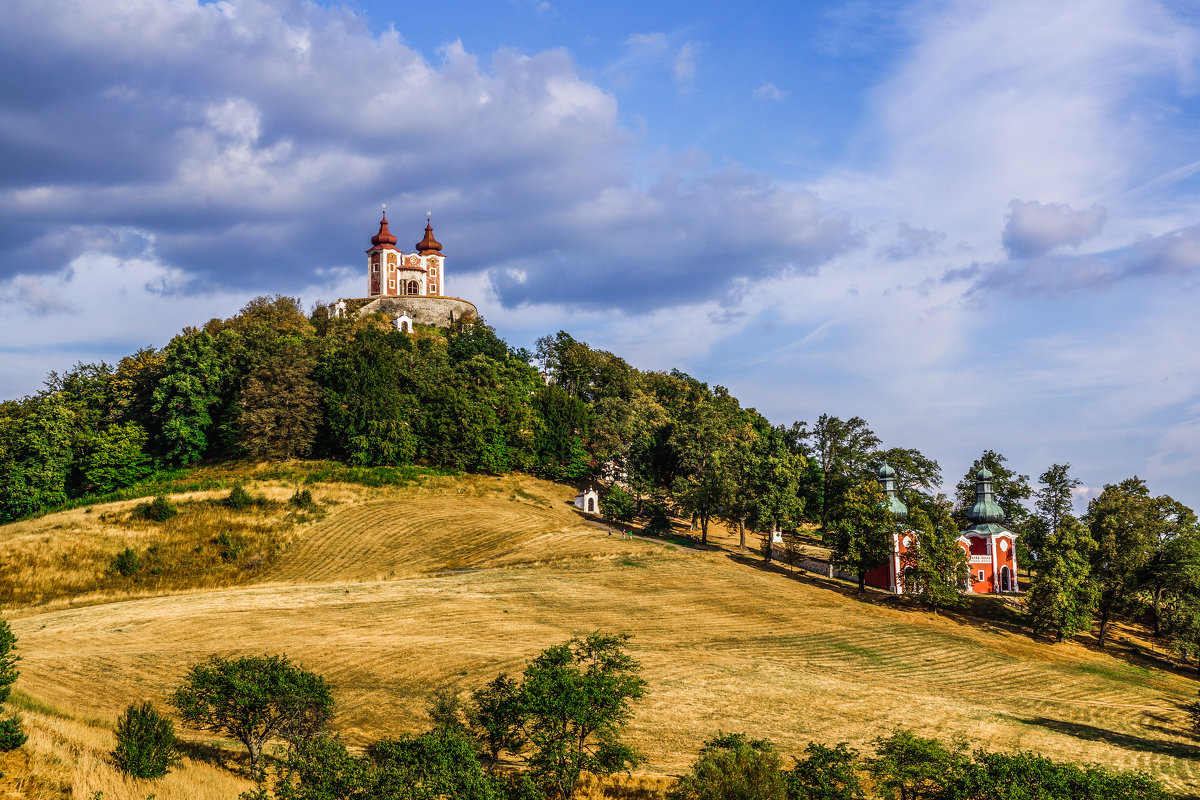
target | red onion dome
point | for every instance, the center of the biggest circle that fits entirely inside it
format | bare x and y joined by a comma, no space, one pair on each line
428,246
384,238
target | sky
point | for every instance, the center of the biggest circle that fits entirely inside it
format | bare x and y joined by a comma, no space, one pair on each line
976,225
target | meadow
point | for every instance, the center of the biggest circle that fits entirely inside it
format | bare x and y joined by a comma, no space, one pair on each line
440,582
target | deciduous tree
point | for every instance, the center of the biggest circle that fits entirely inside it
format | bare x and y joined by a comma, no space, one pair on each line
254,699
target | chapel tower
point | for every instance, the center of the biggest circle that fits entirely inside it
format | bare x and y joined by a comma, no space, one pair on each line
391,273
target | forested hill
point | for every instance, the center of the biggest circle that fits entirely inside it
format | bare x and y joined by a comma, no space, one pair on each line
273,382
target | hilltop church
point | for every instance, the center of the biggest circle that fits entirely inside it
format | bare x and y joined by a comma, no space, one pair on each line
408,287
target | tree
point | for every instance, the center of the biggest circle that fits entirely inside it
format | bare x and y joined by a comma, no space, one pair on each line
912,767
706,433
11,735
732,767
1126,528
935,569
280,405
439,763
145,742
1062,595
859,530
617,504
254,699
195,367
496,717
576,699
116,458
825,773
845,451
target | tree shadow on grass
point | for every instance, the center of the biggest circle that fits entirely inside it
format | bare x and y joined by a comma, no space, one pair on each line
210,753
1126,741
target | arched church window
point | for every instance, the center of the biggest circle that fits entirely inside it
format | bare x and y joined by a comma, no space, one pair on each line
413,288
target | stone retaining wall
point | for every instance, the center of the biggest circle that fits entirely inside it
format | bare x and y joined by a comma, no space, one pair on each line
440,311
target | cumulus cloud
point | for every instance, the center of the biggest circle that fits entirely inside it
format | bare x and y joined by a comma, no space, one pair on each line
1033,229
253,140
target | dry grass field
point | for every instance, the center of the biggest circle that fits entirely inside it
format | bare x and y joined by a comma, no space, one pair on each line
399,592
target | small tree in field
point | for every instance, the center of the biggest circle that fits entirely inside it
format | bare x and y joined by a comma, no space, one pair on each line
145,743
255,699
576,700
11,735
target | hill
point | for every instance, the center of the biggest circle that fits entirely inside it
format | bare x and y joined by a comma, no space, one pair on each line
395,592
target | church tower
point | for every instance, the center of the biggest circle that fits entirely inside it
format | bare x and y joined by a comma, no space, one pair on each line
391,273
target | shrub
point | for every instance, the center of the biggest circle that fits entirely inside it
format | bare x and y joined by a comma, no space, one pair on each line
732,767
145,743
239,499
617,504
160,509
126,562
303,499
231,546
11,735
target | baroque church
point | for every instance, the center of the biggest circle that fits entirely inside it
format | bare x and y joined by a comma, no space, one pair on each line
408,287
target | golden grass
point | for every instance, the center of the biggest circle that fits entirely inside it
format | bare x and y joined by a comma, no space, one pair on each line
65,758
400,592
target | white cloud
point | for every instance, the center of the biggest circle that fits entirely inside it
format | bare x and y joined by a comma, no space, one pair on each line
769,91
684,68
1033,229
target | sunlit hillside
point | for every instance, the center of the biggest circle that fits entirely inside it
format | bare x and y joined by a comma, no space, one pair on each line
395,592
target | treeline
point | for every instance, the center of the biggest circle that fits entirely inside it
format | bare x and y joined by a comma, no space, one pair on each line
273,382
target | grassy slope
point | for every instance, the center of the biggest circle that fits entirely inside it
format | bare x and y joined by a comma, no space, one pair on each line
401,591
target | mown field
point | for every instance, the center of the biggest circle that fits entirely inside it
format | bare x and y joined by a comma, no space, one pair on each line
400,591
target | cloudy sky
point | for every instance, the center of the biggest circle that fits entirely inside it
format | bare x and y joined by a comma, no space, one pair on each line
973,224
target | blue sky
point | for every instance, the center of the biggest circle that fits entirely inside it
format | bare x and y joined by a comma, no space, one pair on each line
972,224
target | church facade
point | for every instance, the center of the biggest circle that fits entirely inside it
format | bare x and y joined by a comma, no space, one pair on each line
410,288
990,549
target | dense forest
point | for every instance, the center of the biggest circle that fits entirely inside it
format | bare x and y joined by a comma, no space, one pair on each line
273,382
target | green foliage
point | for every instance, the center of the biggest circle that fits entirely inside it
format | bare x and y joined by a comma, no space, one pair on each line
576,700
12,735
303,500
440,763
936,569
254,699
859,529
731,767
280,404
825,773
145,742
160,509
617,504
238,499
116,459
496,717
126,562
37,443
913,767
230,545
1062,595
1010,488
195,366
8,660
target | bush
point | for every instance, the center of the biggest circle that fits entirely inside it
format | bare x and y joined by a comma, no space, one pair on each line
160,509
732,767
231,546
303,499
11,735
239,499
145,743
617,504
126,562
